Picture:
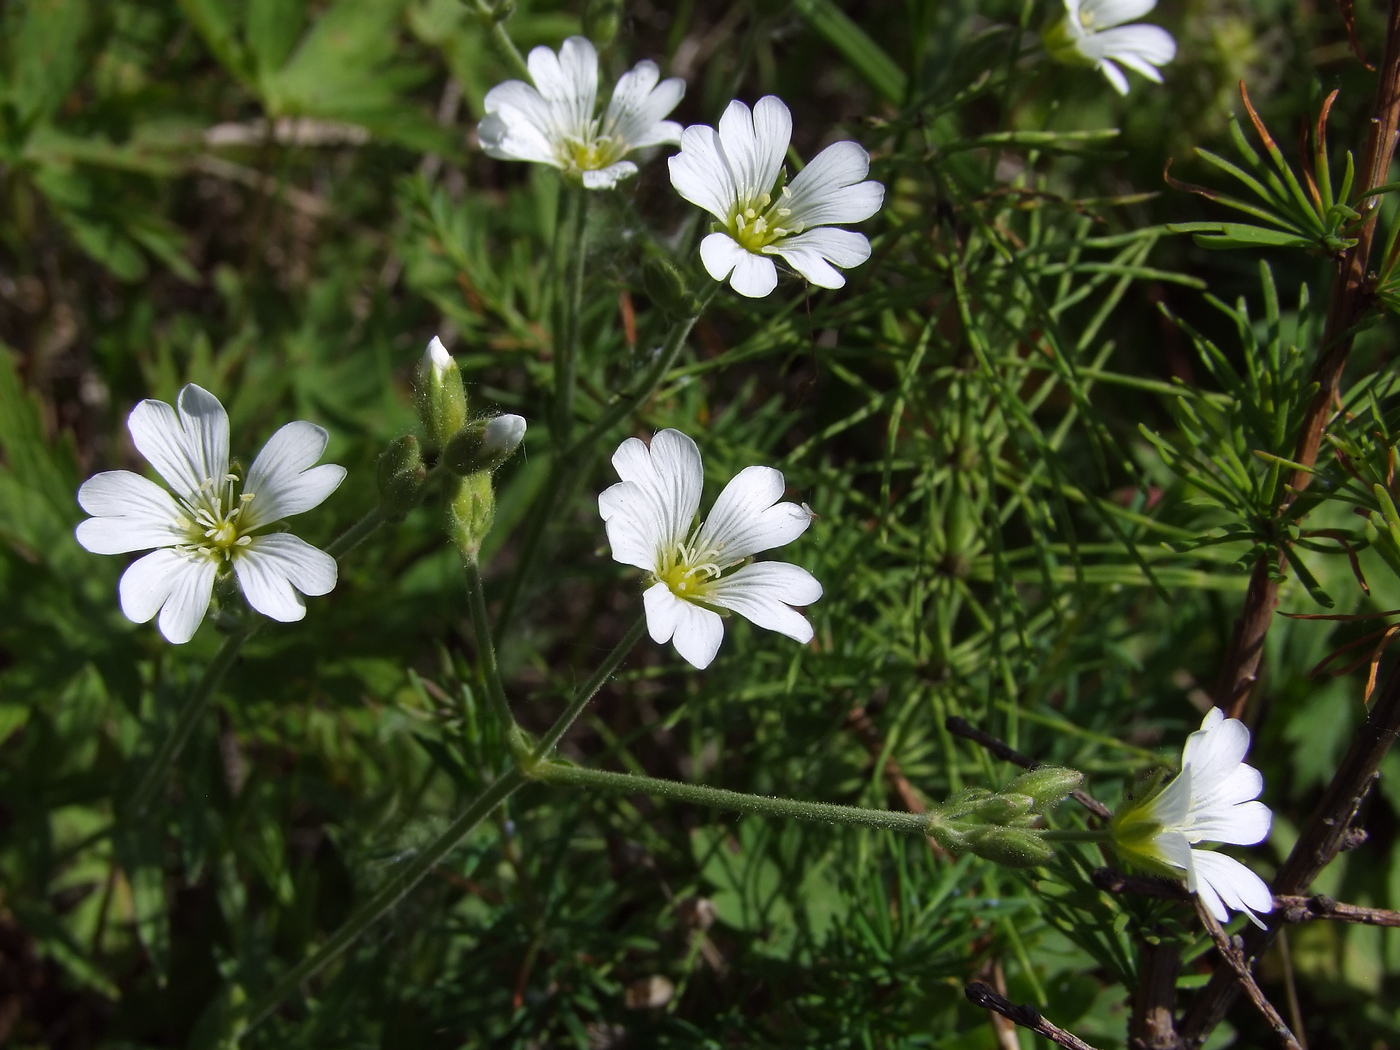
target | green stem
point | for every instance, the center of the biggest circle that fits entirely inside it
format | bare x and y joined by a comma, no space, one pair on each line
504,44
486,653
195,706
1075,835
190,714
719,798
388,895
588,689
622,405
566,464
356,533
408,876
566,335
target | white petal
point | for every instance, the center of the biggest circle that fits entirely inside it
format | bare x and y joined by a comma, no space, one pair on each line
696,631
1223,879
607,178
636,525
271,569
830,190
569,82
187,449
1214,754
755,142
754,276
698,635
174,583
700,173
1115,76
745,521
764,592
1144,63
282,479
808,253
720,253
1243,784
1172,806
1100,14
664,610
662,133
639,104
654,508
1174,850
518,125
132,514
812,266
1242,825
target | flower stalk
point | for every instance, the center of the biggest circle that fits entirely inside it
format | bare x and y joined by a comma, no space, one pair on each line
720,798
190,714
486,653
566,336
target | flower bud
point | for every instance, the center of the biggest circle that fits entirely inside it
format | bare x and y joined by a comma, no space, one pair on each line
1003,809
400,475
470,513
1048,785
484,445
601,20
442,401
952,837
666,287
1012,847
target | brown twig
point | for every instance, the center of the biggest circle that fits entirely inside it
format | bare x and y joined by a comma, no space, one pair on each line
1349,298
965,729
1029,1017
1327,832
1305,909
1153,1026
1113,881
1289,907
1232,954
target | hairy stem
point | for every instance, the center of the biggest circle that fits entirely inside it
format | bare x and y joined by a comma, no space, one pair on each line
189,717
369,913
720,798
587,691
486,654
566,466
574,233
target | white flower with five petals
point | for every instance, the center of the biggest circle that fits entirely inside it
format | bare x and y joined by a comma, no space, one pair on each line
552,121
734,173
208,526
1212,799
650,516
1092,33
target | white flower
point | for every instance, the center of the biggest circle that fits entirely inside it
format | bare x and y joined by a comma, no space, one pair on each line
650,517
1092,33
502,435
733,173
553,122
207,527
1210,800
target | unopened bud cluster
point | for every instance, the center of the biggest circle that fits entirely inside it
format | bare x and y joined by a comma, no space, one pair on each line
998,826
469,449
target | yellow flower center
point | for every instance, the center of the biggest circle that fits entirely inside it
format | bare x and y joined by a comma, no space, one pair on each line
687,571
757,223
212,522
589,153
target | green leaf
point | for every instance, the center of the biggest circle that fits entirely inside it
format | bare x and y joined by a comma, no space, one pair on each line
1239,235
272,31
44,41
870,60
